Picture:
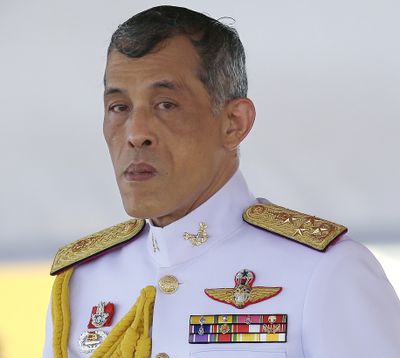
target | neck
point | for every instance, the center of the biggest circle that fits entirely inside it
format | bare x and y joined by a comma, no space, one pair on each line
216,184
220,216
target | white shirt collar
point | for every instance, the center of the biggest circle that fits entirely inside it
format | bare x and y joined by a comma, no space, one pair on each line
222,213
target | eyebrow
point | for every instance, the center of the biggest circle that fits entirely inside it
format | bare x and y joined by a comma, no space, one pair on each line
158,84
112,90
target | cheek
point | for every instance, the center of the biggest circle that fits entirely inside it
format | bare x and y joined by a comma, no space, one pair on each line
199,131
108,132
204,142
194,155
114,140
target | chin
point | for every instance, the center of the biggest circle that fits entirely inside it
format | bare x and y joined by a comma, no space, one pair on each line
135,211
136,203
139,208
145,204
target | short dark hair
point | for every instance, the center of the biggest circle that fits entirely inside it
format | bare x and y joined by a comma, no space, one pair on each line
222,56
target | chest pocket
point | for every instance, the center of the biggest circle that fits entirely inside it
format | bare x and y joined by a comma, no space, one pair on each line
237,353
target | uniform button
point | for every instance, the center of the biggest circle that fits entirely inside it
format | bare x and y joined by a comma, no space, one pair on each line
168,284
162,355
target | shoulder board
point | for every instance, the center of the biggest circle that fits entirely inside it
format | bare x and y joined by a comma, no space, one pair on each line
96,244
306,229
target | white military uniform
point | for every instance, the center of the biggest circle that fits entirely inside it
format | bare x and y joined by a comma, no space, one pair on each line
339,303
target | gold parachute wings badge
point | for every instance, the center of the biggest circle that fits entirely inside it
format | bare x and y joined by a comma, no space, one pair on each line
243,294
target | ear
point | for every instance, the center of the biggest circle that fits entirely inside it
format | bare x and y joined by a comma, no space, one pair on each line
239,117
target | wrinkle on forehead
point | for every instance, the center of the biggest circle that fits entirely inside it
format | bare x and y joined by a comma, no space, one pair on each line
174,67
176,54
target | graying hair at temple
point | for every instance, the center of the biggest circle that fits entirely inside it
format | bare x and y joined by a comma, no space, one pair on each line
223,68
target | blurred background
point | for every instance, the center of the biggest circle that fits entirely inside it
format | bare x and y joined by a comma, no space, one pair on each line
324,76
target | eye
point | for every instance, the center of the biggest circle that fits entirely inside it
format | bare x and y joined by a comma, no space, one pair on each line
118,108
166,105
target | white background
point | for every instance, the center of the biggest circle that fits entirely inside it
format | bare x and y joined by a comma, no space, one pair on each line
324,76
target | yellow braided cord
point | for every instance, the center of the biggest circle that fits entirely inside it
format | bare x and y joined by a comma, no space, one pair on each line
130,337
56,314
143,349
115,347
65,313
60,313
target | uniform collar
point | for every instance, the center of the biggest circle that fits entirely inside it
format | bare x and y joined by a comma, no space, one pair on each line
222,213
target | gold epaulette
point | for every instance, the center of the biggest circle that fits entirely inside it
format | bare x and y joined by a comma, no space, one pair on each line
305,229
95,244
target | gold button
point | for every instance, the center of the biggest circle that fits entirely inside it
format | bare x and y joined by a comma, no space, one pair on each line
162,355
168,284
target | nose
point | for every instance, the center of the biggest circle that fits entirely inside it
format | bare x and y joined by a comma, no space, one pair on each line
139,131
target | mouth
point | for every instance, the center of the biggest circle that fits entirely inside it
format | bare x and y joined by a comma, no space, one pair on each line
139,172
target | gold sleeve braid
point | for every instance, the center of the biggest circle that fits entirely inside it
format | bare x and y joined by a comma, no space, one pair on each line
130,337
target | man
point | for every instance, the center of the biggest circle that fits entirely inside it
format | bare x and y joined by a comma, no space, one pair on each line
276,284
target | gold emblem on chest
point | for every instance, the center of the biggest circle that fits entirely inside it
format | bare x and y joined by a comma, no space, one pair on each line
197,239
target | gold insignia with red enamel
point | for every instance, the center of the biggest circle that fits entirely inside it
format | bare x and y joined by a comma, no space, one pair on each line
243,294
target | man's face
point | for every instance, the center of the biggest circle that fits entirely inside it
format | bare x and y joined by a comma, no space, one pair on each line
165,143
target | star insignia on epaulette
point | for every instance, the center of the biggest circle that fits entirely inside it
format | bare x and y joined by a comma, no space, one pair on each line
305,229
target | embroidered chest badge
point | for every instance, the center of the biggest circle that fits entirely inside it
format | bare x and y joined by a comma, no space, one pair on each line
102,315
243,294
89,341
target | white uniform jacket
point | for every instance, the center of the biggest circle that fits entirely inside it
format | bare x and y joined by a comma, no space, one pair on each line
339,303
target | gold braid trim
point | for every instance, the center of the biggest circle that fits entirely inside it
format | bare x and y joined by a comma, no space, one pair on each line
60,314
95,244
130,337
306,229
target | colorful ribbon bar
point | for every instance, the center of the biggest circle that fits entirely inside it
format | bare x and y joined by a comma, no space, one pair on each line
238,328
268,328
238,318
238,338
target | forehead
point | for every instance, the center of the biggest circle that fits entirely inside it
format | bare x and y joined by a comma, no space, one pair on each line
175,60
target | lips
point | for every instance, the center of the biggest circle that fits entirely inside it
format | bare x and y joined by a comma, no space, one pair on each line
139,172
